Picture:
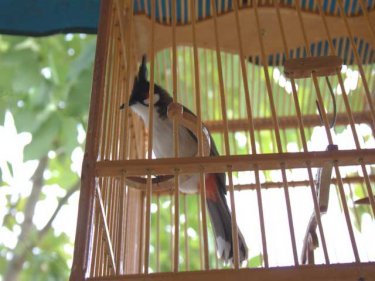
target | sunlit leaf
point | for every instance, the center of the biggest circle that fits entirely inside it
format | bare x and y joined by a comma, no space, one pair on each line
256,261
10,168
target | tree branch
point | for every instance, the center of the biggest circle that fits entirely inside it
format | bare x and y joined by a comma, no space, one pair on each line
60,204
25,244
16,263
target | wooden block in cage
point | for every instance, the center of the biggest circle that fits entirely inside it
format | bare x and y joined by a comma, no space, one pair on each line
304,67
323,182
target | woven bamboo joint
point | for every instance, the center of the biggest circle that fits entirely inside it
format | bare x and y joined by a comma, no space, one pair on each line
304,67
176,113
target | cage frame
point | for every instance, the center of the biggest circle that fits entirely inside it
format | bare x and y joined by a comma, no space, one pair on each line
92,169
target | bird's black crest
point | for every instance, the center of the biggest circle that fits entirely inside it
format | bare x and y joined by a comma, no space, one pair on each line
142,72
141,86
141,89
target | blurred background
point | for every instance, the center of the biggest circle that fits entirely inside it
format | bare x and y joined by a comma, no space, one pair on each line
45,86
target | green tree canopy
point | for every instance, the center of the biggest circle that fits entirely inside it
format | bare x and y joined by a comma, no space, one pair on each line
45,86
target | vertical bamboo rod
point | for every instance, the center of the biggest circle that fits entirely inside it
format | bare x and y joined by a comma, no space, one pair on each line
103,256
150,140
176,253
157,250
175,144
115,231
95,250
120,212
241,109
126,90
359,102
250,122
160,10
303,138
108,215
168,13
231,70
200,232
112,140
141,235
203,225
119,216
200,137
116,221
125,133
101,260
277,133
171,241
125,225
184,90
213,86
151,90
369,24
193,90
206,86
147,227
105,128
226,137
120,53
112,93
186,244
110,221
197,84
166,73
148,10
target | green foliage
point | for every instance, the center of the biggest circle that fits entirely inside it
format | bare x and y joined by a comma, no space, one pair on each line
48,261
45,83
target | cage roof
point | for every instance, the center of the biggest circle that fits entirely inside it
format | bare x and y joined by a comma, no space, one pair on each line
39,17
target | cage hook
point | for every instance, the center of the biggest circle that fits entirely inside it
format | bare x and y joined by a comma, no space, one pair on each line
333,121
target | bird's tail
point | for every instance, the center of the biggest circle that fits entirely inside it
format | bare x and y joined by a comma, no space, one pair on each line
222,226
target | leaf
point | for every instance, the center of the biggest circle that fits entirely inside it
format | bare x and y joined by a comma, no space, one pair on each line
256,261
79,96
2,111
83,62
26,120
43,138
10,168
61,172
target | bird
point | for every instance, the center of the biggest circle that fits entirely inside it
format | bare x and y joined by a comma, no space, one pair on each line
162,146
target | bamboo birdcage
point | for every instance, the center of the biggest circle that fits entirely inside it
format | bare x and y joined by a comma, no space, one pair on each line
254,73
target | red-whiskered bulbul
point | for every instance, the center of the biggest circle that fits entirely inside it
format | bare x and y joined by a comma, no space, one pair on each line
162,144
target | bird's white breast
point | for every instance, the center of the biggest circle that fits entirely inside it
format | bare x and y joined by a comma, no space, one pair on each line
162,142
